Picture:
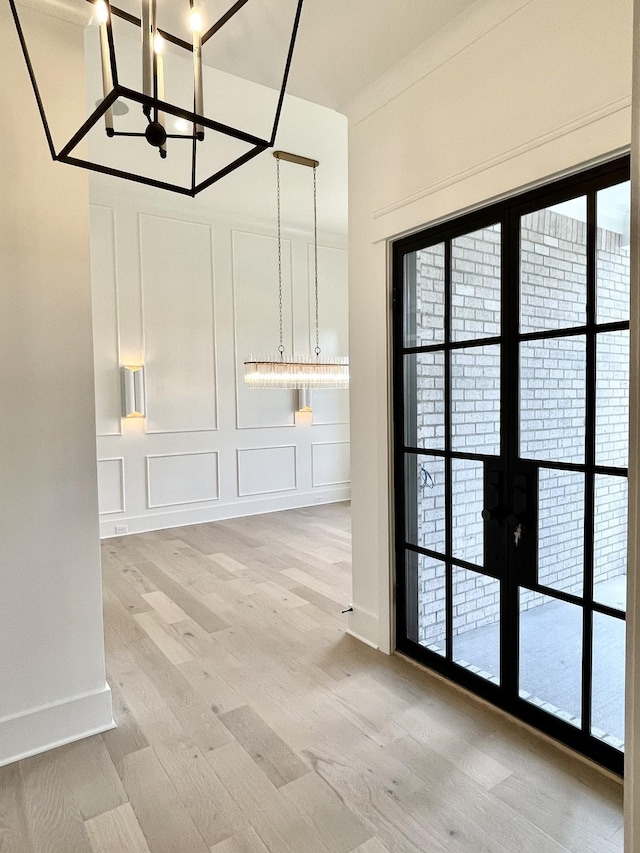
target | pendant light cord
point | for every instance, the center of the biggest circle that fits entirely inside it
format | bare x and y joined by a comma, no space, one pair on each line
315,251
281,347
315,258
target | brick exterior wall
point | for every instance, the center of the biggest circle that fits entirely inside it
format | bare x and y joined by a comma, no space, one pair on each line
553,392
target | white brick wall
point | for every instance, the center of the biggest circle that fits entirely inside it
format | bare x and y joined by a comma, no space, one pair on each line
553,393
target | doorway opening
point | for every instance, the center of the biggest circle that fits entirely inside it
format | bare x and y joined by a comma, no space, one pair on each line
511,376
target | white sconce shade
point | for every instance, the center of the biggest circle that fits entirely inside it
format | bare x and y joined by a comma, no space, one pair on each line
133,404
304,400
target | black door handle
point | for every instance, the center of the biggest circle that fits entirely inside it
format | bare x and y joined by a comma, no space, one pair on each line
492,516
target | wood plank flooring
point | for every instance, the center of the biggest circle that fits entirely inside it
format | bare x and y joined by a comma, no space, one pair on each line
249,722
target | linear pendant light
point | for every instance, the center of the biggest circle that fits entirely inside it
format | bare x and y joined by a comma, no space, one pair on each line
297,371
150,105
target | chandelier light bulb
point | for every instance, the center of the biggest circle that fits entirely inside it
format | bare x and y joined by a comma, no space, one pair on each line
147,91
102,12
195,21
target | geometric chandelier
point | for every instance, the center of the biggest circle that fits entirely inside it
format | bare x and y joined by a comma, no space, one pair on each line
152,109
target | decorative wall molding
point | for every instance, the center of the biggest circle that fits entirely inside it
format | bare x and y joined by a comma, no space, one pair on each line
315,480
287,247
149,362
260,459
114,379
204,498
342,394
537,142
155,498
121,484
463,32
221,511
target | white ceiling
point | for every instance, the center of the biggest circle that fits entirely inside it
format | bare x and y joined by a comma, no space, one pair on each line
342,45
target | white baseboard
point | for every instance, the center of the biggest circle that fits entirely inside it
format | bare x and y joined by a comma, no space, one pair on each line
41,729
182,516
364,625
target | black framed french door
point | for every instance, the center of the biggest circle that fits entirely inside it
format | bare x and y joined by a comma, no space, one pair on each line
510,401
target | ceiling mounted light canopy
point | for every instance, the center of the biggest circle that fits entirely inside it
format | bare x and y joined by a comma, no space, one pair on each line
168,116
297,371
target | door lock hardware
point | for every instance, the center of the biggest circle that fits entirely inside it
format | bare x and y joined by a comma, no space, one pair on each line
517,534
492,516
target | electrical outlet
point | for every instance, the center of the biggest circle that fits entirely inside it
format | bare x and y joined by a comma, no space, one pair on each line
317,499
121,528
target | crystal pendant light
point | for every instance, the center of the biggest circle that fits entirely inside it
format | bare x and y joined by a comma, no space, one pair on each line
297,371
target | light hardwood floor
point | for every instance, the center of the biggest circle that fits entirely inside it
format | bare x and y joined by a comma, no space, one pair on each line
248,721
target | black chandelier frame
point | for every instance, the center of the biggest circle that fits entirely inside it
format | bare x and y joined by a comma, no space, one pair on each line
154,105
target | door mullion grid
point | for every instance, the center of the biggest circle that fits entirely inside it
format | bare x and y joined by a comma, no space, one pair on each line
590,454
510,443
398,314
448,497
509,214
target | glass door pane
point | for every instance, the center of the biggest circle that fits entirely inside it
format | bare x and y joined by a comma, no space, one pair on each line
613,206
476,623
511,362
551,655
475,399
424,400
607,706
424,297
612,398
553,387
467,486
425,490
561,530
610,541
553,267
476,287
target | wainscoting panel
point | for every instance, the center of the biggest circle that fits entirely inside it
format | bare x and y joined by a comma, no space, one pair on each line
182,478
330,408
263,470
111,485
177,295
104,297
197,292
330,463
256,324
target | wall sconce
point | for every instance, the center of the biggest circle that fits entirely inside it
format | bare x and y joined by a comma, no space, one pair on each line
303,415
133,404
304,400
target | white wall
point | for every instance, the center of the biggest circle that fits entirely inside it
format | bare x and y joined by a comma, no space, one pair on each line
51,645
189,289
511,93
632,718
